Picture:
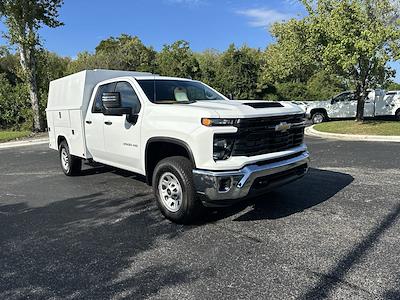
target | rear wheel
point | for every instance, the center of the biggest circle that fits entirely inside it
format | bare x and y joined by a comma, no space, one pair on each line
71,165
397,115
318,117
174,190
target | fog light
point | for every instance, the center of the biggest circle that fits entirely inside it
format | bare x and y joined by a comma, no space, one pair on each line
225,185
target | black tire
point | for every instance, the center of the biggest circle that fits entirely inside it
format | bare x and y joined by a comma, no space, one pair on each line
191,207
74,165
397,115
318,117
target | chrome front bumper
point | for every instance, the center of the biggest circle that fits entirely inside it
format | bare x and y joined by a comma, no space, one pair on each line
232,185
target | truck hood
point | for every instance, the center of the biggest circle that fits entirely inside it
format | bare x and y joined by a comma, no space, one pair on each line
248,108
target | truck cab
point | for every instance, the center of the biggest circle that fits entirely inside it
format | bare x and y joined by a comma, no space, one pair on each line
195,147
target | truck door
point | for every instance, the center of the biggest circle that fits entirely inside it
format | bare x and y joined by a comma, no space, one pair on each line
94,123
343,106
122,138
369,105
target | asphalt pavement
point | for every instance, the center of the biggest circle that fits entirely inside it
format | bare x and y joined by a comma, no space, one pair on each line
333,234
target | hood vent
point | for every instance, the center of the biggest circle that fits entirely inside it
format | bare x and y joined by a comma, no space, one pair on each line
263,104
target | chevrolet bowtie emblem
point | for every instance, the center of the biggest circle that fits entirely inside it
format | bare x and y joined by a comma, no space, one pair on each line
282,127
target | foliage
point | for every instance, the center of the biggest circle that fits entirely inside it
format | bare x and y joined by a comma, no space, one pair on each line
291,58
238,72
14,104
324,85
294,91
122,53
178,60
209,64
393,86
355,39
23,19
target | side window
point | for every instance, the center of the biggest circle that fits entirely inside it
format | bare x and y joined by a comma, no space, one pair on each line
351,97
128,96
106,88
338,98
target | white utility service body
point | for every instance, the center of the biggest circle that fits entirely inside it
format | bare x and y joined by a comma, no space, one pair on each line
230,144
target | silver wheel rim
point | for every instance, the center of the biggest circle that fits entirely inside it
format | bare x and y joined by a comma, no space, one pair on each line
318,118
64,159
170,192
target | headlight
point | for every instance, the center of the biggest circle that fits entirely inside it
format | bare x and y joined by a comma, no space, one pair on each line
223,146
218,122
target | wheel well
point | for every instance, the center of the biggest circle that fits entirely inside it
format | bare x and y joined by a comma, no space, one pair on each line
157,150
320,110
397,111
60,139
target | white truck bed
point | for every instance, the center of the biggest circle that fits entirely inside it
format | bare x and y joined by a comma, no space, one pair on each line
67,105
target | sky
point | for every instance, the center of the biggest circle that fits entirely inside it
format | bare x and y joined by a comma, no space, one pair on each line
204,23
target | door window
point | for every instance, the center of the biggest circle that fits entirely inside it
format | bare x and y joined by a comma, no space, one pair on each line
105,88
128,96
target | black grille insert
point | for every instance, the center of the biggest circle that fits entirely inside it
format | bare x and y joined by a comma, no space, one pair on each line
259,136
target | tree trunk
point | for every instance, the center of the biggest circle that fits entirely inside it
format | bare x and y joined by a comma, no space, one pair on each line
361,94
28,63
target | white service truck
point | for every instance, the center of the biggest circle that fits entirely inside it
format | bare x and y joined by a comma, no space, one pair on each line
195,147
344,106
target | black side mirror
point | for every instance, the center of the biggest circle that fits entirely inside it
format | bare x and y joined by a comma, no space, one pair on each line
111,100
112,105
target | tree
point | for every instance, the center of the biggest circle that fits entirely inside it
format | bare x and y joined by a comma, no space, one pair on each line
9,65
355,39
291,58
324,85
126,53
392,86
178,60
209,64
24,18
14,104
238,74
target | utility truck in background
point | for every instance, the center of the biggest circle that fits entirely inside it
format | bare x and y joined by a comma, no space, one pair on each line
344,106
195,147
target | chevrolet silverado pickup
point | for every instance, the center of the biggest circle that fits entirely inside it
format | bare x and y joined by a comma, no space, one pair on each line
194,146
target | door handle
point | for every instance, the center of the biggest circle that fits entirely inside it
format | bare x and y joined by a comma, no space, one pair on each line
88,122
108,123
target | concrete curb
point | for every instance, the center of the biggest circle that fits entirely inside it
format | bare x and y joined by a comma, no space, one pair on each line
310,131
24,143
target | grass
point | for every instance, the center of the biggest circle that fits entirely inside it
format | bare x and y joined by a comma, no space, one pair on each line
387,128
6,135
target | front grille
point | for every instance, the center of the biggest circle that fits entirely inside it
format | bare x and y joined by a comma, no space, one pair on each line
259,136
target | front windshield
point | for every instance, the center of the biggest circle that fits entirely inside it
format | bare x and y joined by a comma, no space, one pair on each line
177,91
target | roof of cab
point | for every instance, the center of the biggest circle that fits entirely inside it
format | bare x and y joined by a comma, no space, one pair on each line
158,77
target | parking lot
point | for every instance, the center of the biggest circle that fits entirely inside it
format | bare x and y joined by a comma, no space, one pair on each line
334,233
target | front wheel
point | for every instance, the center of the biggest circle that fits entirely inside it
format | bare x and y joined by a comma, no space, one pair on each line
174,190
71,165
318,117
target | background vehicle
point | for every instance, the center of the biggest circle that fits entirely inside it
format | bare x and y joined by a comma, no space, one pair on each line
344,106
302,104
195,147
